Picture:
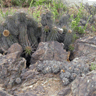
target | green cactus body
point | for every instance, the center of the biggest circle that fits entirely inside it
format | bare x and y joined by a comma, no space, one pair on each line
31,36
32,30
20,16
4,43
68,40
43,37
23,37
53,35
11,24
11,40
1,28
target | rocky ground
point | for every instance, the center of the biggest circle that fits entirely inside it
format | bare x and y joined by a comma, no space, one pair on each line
47,77
50,70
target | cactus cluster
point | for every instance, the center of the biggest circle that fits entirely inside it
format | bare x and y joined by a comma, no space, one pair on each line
23,29
18,28
71,71
60,32
68,70
50,31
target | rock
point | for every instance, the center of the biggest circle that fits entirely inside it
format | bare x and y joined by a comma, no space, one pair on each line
85,46
29,74
9,58
64,92
11,67
81,86
15,47
3,93
85,85
27,94
52,50
37,84
68,70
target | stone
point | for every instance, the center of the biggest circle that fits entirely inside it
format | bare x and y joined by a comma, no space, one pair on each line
4,93
52,50
26,94
85,46
81,86
37,84
85,86
11,67
64,91
15,47
9,58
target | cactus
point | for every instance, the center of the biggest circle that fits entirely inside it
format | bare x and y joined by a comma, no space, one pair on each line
31,37
46,19
53,35
20,17
50,32
11,25
68,39
28,50
64,20
33,31
46,22
62,36
4,45
1,28
23,37
9,38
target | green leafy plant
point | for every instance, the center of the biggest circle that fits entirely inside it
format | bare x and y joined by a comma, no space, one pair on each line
71,47
94,29
23,3
75,21
37,13
1,3
57,8
93,66
87,22
41,2
74,37
5,14
80,30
